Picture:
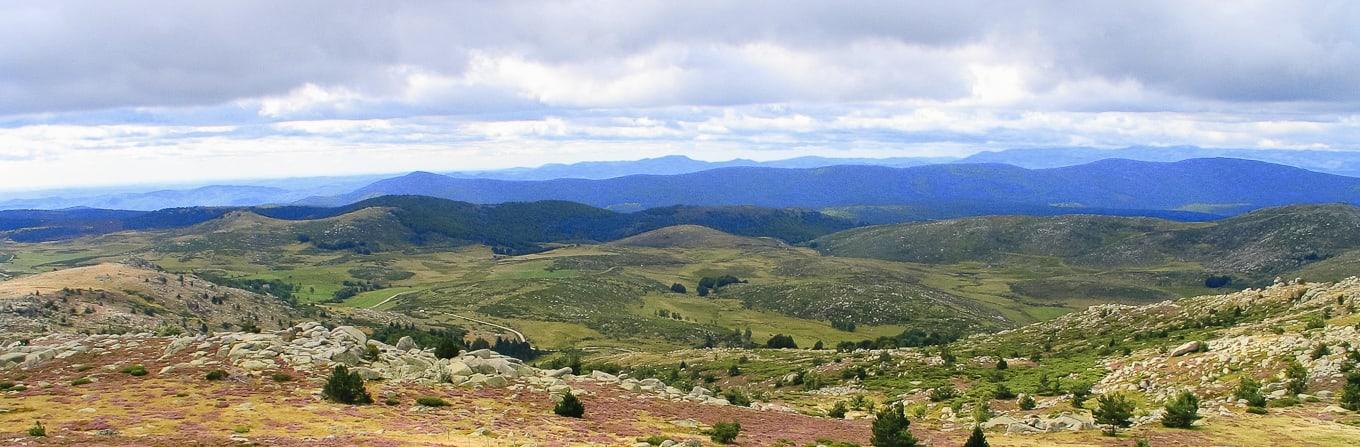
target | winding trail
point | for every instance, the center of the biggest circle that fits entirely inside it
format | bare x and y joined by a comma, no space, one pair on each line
390,298
518,334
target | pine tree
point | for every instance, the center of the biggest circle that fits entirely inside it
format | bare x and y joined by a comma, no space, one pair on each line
446,349
1026,402
1297,376
570,406
1250,391
1114,411
977,439
1350,394
346,387
1181,411
892,429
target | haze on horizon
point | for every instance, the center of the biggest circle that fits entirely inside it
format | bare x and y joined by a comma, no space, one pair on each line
137,92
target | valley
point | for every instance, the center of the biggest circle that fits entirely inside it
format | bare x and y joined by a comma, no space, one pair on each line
879,314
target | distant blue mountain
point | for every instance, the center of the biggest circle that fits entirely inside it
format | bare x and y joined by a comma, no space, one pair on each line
336,189
247,193
1217,185
678,164
1333,162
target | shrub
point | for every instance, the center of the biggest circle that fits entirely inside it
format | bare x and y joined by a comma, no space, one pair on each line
6,385
1026,402
1080,392
1141,442
346,387
1284,402
446,349
1115,411
892,429
837,411
1319,350
1003,392
736,397
1256,410
37,430
1297,377
281,377
1001,364
371,353
1250,391
725,432
812,381
134,370
1181,411
1046,387
977,439
1350,393
857,372
679,288
216,375
570,406
431,401
779,341
1214,282
942,393
982,411
82,381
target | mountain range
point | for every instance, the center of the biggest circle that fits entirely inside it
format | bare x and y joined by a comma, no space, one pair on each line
1332,162
420,220
1219,186
328,189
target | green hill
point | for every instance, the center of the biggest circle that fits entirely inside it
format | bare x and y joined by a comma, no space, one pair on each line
692,236
1257,244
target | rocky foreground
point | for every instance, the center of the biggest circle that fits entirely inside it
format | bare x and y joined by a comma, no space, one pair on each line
242,388
141,389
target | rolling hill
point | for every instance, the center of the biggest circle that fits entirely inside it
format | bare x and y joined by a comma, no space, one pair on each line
417,220
692,236
1256,244
1218,186
116,297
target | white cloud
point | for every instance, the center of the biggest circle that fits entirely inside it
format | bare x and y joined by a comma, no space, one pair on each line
353,85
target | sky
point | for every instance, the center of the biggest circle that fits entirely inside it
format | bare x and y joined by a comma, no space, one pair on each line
125,92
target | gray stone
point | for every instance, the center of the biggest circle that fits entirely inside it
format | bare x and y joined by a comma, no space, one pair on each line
406,344
351,333
367,373
1186,348
457,368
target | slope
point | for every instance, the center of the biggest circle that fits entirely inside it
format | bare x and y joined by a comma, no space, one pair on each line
691,236
1264,242
116,298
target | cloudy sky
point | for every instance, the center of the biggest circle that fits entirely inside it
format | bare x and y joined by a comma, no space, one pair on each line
116,92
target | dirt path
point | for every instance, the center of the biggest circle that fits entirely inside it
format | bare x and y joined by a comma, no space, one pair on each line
390,298
519,334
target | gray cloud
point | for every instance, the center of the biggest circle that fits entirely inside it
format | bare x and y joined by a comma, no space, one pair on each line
132,91
65,56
